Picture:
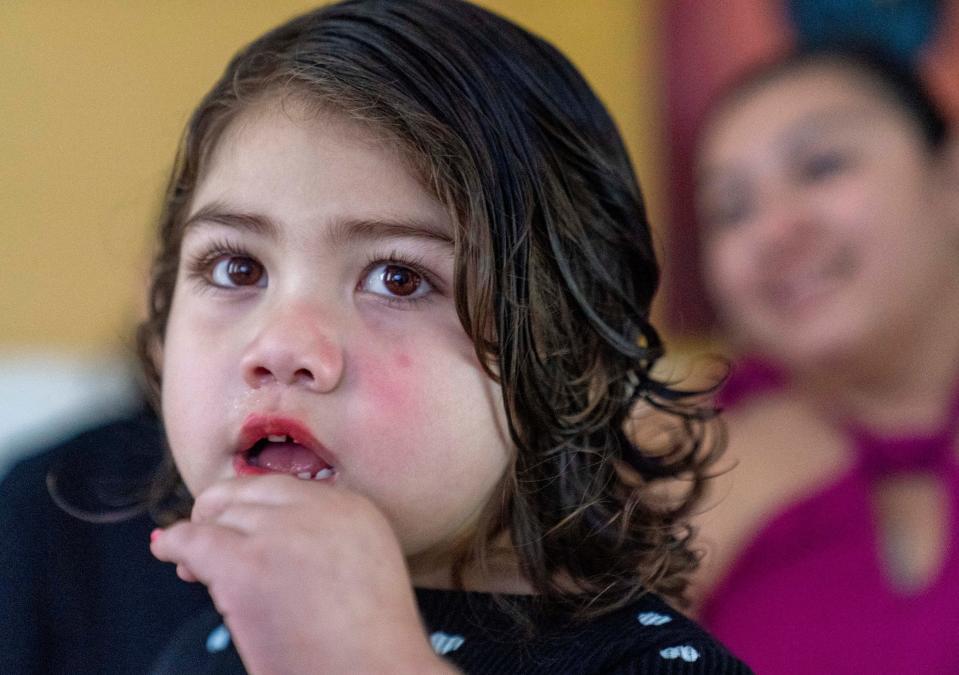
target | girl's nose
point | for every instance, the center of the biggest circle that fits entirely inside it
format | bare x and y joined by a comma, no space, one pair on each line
294,347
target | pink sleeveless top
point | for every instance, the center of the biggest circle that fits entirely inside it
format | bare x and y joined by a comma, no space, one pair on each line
809,595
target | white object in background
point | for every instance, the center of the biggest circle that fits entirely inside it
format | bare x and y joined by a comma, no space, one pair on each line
47,396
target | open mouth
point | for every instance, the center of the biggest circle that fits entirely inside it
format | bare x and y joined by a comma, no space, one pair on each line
265,448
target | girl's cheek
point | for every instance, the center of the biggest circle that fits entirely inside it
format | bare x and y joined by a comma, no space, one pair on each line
390,367
391,388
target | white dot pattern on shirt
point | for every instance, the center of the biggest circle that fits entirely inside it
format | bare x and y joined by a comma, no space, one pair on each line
653,618
218,640
685,652
444,643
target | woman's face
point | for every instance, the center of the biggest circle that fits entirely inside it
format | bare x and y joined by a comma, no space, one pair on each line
828,227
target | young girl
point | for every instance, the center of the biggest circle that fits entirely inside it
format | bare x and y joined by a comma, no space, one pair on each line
398,325
828,191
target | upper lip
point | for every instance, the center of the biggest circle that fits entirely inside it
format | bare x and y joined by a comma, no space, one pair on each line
258,426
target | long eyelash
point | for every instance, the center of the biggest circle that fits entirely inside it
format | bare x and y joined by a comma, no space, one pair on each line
416,264
198,264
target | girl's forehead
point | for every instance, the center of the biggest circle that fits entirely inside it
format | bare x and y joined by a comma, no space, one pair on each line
297,163
255,121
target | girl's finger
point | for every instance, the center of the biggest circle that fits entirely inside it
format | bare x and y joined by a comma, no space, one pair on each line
248,518
275,489
198,549
184,573
271,490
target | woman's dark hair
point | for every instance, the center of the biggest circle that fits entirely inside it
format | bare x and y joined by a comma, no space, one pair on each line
554,274
897,80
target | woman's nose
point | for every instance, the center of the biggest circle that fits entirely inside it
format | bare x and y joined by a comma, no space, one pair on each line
296,346
786,229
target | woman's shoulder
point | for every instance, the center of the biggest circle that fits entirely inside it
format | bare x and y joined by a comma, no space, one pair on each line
778,446
779,451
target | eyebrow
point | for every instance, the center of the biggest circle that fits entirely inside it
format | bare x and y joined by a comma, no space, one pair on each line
341,233
808,128
219,214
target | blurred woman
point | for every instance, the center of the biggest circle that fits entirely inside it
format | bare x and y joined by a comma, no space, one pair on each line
827,189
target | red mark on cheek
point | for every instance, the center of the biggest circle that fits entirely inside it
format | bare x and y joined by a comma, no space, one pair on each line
388,386
390,411
391,392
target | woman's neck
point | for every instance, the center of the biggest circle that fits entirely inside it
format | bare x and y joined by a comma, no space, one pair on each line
906,383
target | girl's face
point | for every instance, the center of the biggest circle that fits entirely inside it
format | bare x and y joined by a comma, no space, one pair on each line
828,229
313,330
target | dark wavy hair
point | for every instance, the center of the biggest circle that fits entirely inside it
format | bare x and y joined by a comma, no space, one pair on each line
554,275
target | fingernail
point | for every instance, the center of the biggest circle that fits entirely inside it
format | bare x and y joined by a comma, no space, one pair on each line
156,533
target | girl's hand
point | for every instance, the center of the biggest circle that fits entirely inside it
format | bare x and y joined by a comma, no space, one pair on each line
308,577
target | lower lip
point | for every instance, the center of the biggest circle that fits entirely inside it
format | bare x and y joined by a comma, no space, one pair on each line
802,302
244,468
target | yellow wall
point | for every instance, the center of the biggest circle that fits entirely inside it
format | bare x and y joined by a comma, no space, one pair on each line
93,96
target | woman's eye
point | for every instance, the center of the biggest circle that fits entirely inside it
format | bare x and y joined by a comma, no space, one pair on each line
822,166
396,281
233,271
725,212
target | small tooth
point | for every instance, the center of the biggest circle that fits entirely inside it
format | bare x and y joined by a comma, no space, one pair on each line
323,473
276,439
305,475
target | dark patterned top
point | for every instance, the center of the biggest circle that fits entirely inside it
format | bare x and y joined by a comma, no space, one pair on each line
476,634
79,597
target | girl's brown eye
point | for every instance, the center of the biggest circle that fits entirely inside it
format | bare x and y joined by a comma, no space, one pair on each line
234,271
400,281
396,282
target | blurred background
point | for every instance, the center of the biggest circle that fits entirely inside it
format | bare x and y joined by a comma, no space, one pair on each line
94,95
